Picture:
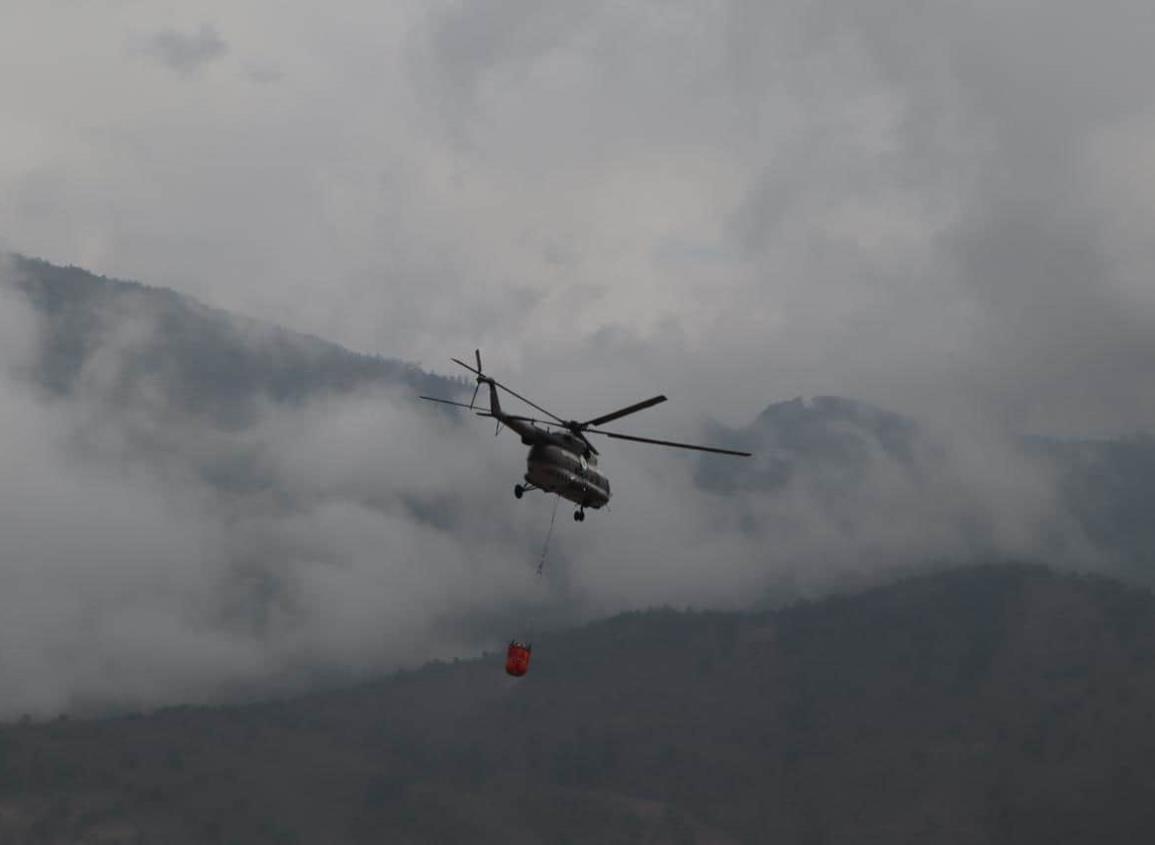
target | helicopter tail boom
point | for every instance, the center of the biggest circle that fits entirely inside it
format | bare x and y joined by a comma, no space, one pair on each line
495,402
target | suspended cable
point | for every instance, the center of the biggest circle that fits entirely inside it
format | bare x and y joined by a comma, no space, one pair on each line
548,536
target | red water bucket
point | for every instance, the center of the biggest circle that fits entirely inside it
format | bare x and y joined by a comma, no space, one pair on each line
517,658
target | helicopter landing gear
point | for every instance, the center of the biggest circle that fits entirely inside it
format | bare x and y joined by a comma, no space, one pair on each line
579,515
520,490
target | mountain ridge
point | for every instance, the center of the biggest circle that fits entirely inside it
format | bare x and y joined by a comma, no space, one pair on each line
206,359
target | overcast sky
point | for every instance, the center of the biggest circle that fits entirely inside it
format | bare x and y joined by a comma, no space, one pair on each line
934,206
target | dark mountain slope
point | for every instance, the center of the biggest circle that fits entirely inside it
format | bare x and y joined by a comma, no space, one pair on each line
992,704
845,454
828,435
154,344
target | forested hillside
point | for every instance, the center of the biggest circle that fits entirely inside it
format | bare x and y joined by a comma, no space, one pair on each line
198,360
990,704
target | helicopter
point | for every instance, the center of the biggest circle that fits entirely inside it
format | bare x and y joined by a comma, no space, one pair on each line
561,458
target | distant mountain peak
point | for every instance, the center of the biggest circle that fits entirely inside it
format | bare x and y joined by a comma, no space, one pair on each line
827,432
829,408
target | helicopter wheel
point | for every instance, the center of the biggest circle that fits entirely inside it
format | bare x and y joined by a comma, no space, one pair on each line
579,516
518,491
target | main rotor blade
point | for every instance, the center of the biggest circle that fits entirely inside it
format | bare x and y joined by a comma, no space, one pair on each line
548,423
533,405
447,402
517,417
467,366
632,409
670,443
586,441
508,390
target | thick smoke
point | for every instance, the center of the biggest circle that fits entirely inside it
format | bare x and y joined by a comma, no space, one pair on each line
943,211
153,555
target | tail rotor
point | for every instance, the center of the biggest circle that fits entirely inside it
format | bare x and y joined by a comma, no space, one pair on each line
480,378
495,409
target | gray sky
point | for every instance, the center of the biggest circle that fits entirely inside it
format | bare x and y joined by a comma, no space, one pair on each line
944,209
941,206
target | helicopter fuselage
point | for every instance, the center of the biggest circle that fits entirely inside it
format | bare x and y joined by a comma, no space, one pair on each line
558,462
557,466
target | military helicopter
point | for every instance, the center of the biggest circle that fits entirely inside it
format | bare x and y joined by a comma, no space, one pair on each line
561,459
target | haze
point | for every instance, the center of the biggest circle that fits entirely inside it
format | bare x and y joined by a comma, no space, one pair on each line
944,210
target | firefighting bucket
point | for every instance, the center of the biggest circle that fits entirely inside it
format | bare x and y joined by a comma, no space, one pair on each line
517,658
